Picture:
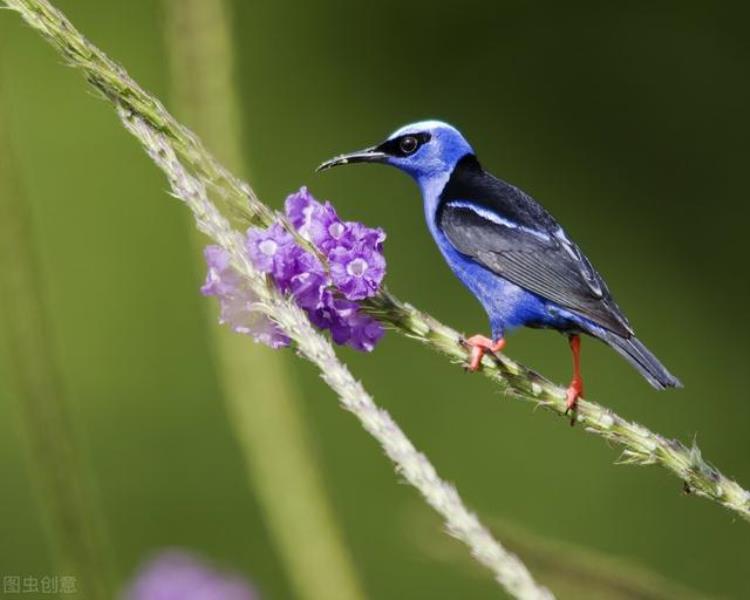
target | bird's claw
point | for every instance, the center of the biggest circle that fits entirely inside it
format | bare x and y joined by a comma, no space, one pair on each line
479,345
575,391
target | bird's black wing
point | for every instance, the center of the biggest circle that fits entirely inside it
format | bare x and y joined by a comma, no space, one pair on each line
509,233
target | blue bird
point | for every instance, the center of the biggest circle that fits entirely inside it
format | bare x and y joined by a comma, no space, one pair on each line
508,251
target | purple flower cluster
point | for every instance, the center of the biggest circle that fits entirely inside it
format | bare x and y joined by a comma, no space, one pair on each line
356,270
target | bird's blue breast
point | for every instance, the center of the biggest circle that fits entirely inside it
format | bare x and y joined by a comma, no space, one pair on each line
507,305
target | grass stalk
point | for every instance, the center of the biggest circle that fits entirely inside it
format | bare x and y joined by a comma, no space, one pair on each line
57,470
264,405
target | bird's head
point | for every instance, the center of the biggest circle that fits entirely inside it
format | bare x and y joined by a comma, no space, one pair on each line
424,150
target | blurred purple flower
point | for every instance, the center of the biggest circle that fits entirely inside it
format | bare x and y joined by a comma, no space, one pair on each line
238,302
221,279
177,575
355,259
357,272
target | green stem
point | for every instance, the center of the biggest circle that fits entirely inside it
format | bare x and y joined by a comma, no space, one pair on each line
55,464
640,445
265,410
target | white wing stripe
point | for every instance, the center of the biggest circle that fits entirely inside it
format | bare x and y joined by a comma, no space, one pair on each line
497,219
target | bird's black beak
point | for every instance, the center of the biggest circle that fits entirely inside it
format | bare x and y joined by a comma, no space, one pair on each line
361,156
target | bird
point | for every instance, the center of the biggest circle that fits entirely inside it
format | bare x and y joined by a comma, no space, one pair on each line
509,251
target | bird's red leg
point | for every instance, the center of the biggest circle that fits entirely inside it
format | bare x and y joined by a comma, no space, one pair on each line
575,389
479,345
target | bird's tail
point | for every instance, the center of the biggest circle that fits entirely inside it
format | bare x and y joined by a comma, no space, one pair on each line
641,358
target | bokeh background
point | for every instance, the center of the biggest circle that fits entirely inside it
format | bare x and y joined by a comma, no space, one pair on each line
628,122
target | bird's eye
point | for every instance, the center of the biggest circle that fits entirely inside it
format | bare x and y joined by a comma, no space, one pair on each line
408,144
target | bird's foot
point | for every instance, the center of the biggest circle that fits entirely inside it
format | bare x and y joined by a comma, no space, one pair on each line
479,345
575,391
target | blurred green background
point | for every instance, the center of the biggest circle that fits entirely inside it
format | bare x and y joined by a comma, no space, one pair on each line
628,122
